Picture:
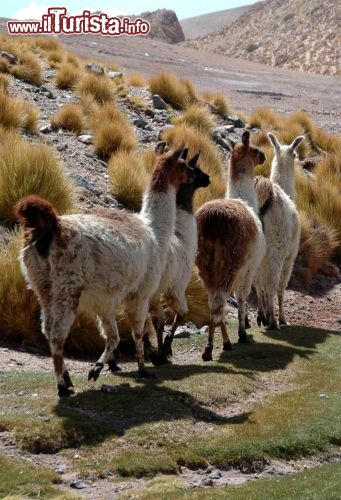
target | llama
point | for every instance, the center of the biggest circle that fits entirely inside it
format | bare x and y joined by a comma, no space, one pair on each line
231,243
181,257
92,263
282,231
283,164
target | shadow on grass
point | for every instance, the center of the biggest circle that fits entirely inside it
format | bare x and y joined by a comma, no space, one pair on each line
301,336
97,414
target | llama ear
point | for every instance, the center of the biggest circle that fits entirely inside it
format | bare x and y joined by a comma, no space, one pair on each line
184,154
160,148
193,161
296,142
246,138
178,152
273,140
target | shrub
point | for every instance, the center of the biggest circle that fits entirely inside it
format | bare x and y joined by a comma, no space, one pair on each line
176,93
137,80
31,169
29,70
5,80
69,117
112,131
210,159
17,114
265,118
67,76
4,65
19,307
219,101
128,179
198,117
55,58
99,87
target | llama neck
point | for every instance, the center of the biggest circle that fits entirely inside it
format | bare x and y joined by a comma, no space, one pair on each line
158,212
242,186
184,197
285,178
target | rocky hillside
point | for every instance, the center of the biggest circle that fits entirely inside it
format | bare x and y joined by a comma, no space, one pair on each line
193,27
164,26
295,34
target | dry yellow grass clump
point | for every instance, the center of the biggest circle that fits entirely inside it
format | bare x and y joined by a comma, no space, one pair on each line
128,178
55,58
17,114
4,65
31,169
198,117
112,131
5,80
220,102
137,80
99,87
176,93
67,76
29,69
69,117
19,307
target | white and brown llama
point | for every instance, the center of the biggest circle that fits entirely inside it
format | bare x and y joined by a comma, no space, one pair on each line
282,229
92,263
180,261
231,242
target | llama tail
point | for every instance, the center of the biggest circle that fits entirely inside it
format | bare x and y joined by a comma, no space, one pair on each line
36,213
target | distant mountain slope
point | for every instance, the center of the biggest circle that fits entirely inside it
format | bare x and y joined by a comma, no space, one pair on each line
193,27
296,34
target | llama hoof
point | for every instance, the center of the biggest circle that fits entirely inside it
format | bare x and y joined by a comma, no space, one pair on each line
261,320
207,354
158,359
64,391
167,347
273,326
145,374
246,339
95,371
227,346
113,366
67,379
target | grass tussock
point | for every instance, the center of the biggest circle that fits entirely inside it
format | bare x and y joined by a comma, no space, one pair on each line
55,58
128,178
138,102
176,93
265,118
4,65
198,117
29,69
17,114
112,131
210,159
137,80
48,44
19,306
31,169
69,117
67,76
5,80
99,87
220,102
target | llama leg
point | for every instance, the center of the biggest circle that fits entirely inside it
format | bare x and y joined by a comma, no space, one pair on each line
261,297
158,317
63,317
283,283
179,305
137,311
216,304
108,328
242,294
272,281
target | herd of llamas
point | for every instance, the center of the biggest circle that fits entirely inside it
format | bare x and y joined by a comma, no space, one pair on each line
93,263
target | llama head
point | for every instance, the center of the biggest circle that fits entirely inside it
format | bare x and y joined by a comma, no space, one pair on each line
245,157
285,154
170,168
201,179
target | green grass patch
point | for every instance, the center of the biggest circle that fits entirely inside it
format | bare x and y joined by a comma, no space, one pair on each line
257,402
